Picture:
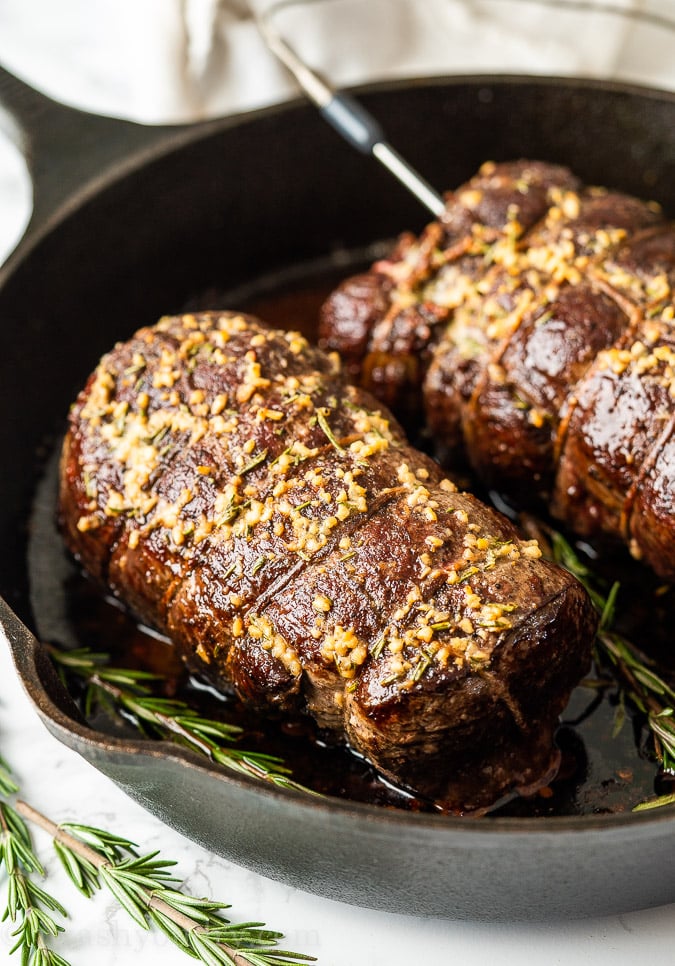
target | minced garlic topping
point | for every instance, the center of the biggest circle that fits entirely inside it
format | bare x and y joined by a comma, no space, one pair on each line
261,629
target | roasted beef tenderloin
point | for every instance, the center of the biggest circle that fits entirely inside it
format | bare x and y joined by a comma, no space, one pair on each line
535,321
229,485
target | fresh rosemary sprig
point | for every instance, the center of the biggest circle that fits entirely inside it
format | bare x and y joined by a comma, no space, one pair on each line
94,859
638,681
130,691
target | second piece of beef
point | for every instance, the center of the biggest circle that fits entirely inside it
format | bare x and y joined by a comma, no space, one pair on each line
535,319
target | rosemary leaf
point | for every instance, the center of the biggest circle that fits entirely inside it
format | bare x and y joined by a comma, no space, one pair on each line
112,846
82,874
662,726
619,716
209,951
609,609
15,847
378,646
321,415
201,910
655,803
7,784
639,684
251,465
650,680
127,899
171,931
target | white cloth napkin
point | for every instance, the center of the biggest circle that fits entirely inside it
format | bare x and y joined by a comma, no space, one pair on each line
180,60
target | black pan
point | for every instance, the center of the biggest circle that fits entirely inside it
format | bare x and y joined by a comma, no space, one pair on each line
135,222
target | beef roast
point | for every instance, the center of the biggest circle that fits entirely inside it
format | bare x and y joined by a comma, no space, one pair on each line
535,319
233,490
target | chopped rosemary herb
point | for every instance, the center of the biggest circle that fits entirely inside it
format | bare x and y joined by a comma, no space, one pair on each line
230,570
285,452
255,461
90,487
658,802
326,430
159,435
232,511
498,624
655,310
543,319
440,626
423,663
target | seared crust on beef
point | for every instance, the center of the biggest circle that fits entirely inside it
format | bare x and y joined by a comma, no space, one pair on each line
551,358
228,484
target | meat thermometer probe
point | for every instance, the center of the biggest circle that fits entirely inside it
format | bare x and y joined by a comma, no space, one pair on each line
349,118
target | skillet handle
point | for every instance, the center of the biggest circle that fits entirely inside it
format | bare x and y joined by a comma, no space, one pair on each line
66,149
36,671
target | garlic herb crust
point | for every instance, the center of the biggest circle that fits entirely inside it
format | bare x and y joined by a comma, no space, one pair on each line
232,488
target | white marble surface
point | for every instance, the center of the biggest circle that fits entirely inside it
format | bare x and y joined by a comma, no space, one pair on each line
61,784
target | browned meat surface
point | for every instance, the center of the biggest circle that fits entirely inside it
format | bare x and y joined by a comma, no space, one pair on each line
535,321
227,483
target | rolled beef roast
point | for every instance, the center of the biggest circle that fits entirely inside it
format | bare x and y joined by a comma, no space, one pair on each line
233,490
535,320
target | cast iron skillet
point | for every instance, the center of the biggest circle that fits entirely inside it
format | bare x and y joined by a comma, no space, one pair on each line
129,224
